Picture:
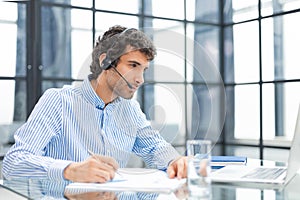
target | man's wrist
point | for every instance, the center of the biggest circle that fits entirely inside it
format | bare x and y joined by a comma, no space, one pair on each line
68,171
174,160
56,170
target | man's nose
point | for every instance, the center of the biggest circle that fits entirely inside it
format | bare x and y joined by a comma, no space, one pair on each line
139,79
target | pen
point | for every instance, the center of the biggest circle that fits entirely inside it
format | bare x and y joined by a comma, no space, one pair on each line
93,154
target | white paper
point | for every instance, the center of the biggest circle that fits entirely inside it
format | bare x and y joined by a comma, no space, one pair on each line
134,180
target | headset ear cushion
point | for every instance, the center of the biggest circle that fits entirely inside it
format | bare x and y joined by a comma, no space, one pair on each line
106,63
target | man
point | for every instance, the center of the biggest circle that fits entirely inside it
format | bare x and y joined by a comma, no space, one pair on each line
84,133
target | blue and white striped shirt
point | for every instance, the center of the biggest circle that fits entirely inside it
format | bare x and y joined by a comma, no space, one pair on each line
66,122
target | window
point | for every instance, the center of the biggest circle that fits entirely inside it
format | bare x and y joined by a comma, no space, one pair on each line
227,72
261,73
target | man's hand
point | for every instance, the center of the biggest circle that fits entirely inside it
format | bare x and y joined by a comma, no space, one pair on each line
92,196
95,169
178,167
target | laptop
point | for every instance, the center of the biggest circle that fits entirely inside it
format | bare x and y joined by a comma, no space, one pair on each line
263,176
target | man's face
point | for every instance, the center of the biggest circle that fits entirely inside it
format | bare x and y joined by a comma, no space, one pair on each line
131,66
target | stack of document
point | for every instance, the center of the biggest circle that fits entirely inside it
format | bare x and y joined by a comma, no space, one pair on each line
132,180
221,161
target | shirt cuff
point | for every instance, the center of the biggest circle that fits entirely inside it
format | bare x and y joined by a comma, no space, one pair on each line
56,170
167,157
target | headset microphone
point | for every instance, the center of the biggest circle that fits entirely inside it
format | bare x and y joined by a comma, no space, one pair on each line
129,85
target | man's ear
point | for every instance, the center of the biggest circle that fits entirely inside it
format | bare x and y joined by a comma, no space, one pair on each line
101,58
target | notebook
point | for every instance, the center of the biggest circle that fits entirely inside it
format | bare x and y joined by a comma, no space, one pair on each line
273,177
133,180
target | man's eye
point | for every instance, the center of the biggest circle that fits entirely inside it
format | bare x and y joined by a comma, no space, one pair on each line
133,65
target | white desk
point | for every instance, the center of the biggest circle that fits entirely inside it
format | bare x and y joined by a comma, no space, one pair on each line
38,189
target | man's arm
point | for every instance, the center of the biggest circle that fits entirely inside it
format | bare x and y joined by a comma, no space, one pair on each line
149,144
25,158
28,156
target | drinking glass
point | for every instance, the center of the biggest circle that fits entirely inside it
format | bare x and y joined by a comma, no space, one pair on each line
199,156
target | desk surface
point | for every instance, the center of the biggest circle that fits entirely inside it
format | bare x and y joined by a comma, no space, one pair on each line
45,189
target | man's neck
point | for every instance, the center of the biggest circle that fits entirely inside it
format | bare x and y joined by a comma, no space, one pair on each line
102,90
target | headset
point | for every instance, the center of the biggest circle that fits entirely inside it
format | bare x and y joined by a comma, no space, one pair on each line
107,62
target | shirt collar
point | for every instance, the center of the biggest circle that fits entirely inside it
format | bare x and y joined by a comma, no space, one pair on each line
90,95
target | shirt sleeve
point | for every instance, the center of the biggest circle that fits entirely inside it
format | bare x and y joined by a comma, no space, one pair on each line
26,158
150,145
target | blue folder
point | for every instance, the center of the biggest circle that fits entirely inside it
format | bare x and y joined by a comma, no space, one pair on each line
221,161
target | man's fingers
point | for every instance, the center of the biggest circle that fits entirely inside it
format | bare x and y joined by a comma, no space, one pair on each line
108,161
178,168
103,176
171,171
102,169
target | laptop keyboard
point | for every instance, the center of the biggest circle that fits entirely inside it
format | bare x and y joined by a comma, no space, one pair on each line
265,173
